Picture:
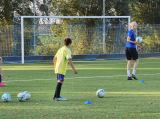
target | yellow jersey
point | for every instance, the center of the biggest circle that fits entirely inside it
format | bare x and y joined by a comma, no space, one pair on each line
62,56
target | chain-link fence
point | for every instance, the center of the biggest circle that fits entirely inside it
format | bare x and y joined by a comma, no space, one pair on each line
43,37
6,40
87,40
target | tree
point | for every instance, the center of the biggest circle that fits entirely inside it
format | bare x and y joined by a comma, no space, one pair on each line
146,11
82,8
89,8
12,8
121,7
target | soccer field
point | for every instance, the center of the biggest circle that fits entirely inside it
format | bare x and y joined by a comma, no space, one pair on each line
124,99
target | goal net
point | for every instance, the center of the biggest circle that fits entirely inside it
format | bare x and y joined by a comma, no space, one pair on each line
37,38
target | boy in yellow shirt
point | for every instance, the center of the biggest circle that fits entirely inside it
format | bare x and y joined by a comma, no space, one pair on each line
62,57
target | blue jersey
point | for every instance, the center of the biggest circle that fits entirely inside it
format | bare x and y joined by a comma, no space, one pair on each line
131,34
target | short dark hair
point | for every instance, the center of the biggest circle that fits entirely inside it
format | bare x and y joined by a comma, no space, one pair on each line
67,41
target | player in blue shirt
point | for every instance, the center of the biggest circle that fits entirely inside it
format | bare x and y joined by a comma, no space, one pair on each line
131,52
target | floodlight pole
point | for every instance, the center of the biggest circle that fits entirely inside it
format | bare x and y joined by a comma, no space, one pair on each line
136,31
70,33
104,36
34,29
136,36
22,40
129,20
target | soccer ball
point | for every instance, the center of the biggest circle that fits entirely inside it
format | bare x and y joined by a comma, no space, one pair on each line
139,39
100,93
21,97
6,97
28,95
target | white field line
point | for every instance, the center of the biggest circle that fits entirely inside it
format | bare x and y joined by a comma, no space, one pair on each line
120,63
78,77
107,63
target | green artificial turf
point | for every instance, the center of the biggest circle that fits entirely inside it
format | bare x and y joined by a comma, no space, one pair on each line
123,99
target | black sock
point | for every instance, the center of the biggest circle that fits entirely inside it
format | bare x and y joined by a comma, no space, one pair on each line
55,91
55,94
58,90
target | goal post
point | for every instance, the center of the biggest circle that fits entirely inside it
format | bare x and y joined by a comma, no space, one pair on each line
69,17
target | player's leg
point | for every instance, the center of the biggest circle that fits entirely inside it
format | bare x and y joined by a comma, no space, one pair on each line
1,77
58,88
135,58
135,66
128,69
128,56
0,80
134,69
57,96
59,85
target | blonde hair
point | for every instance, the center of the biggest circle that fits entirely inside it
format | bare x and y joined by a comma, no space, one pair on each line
133,23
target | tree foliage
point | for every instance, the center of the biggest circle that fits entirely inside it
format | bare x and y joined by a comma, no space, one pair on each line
146,11
13,8
81,8
141,11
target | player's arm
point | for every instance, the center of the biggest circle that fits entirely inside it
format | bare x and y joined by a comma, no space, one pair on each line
71,63
129,40
139,46
54,61
136,42
0,59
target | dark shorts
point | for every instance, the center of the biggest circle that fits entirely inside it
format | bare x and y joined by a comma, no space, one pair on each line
131,53
60,77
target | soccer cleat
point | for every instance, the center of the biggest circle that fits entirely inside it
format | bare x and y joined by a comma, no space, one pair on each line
2,84
55,97
129,78
60,99
133,76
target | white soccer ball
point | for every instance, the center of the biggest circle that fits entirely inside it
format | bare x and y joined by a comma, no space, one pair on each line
28,95
6,97
100,93
21,97
139,39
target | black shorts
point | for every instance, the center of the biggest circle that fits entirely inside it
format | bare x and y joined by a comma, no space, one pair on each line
131,53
